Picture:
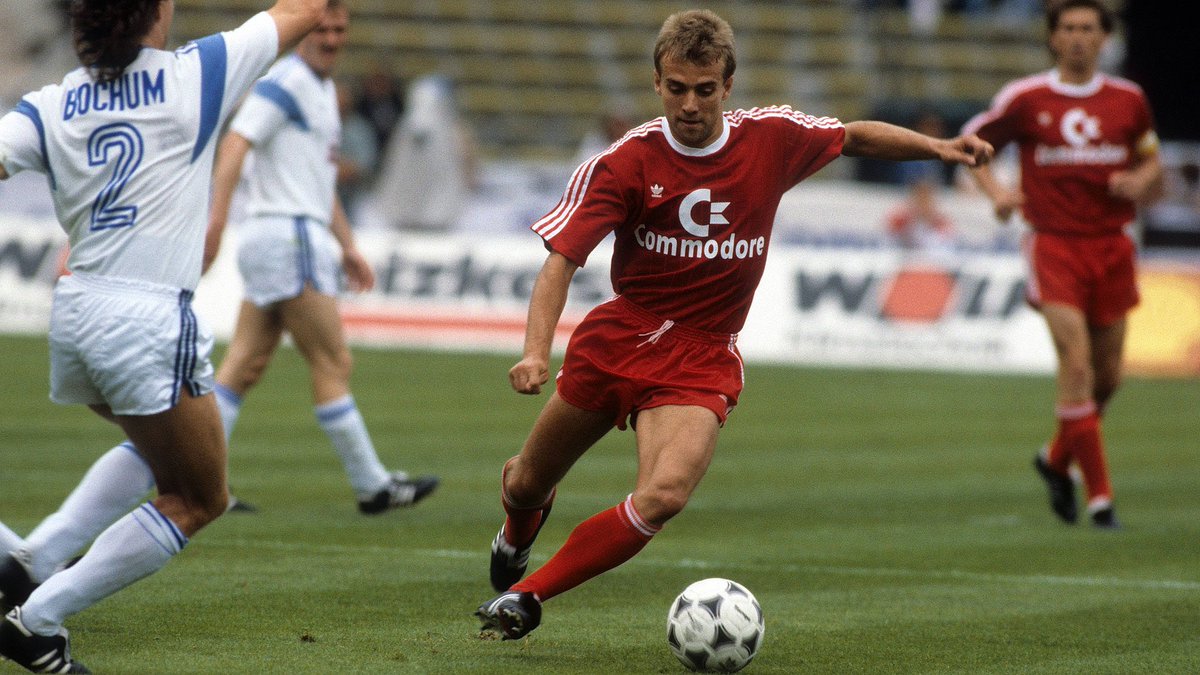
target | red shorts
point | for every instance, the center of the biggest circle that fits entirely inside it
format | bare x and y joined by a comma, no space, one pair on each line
1097,275
622,359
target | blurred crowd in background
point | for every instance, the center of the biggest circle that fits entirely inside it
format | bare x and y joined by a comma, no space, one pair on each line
411,161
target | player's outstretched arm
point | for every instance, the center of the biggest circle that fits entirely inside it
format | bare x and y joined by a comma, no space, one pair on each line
294,19
1005,200
880,140
227,170
545,308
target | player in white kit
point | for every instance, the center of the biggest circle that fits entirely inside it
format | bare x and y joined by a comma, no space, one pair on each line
126,143
294,246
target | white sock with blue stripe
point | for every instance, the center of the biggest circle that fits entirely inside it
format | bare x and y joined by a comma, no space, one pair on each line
341,421
230,405
115,483
134,547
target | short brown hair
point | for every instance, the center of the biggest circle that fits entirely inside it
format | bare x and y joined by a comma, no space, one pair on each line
697,36
1056,9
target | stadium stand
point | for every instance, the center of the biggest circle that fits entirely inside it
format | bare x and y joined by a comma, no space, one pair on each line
532,75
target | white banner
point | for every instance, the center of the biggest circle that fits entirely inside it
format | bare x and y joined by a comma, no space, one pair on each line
882,309
30,250
459,292
816,305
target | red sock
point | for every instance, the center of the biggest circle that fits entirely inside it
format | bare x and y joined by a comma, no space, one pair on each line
597,545
1057,455
1079,435
1061,451
1093,464
521,524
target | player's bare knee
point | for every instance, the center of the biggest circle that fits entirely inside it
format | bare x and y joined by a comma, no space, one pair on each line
207,507
523,490
1104,390
191,511
332,367
241,377
215,506
254,369
658,505
1076,373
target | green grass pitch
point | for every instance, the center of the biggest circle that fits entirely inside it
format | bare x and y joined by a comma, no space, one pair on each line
888,523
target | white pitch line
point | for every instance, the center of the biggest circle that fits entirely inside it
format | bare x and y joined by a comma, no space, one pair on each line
690,563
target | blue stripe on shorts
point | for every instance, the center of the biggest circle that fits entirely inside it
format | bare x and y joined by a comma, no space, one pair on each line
185,349
304,256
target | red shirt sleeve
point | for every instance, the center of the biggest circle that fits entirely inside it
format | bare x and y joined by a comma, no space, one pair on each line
592,205
998,124
816,142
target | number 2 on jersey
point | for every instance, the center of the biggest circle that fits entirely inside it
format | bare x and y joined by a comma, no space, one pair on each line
120,145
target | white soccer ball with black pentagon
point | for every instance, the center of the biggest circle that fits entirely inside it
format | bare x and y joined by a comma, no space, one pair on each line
715,625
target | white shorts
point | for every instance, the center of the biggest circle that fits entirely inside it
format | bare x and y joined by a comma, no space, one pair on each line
278,255
131,345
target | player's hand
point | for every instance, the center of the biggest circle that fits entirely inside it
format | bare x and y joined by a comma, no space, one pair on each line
970,150
1127,185
528,376
1006,203
358,271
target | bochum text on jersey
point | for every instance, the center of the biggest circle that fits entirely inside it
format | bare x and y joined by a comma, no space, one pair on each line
129,92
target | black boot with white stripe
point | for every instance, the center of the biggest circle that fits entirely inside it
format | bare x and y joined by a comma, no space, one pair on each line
36,653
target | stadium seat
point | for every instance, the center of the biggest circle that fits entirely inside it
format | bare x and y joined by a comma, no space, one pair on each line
532,76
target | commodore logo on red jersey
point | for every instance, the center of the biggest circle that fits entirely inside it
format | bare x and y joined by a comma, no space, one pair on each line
1078,128
689,203
1080,131
691,210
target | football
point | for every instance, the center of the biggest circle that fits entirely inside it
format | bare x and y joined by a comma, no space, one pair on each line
715,625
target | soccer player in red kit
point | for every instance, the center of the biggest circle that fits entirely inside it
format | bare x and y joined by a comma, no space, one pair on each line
1089,154
691,198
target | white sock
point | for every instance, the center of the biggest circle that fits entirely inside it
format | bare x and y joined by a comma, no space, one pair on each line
135,547
341,421
9,541
229,404
116,483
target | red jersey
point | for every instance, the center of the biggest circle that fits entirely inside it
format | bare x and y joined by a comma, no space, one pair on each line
691,225
1071,139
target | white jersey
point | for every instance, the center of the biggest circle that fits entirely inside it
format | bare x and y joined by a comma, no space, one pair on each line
291,119
130,161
